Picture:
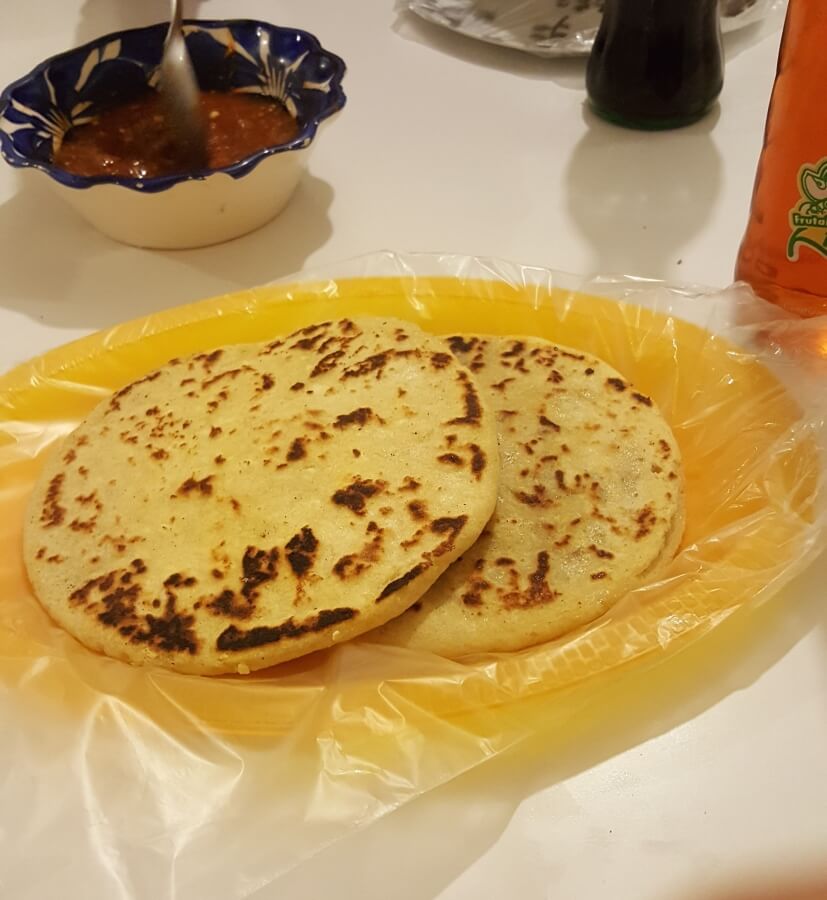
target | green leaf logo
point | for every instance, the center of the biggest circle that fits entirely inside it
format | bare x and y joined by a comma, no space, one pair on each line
814,185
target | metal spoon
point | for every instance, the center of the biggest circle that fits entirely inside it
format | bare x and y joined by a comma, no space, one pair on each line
179,91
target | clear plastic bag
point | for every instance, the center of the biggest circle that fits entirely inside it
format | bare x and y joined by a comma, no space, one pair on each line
141,782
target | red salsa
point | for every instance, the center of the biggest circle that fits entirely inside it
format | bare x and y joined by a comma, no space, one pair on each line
132,139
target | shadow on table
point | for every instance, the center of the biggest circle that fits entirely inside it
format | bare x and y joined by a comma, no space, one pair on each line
60,271
423,847
638,197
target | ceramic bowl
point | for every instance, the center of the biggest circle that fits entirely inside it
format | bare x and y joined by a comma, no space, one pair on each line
193,209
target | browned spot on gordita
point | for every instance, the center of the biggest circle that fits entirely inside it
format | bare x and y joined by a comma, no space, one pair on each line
257,567
642,398
459,344
197,486
665,449
476,587
537,497
473,409
160,453
297,449
617,383
312,329
114,400
232,374
233,638
501,385
83,524
409,484
297,386
53,513
82,470
440,360
357,493
69,457
219,460
597,576
358,417
208,360
353,564
449,526
600,553
516,348
212,406
325,364
114,606
171,632
504,561
418,509
89,500
398,583
645,520
451,459
413,540
267,382
375,363
307,343
301,551
538,591
546,422
477,461
177,579
589,371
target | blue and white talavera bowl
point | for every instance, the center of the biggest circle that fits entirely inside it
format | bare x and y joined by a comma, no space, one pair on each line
193,209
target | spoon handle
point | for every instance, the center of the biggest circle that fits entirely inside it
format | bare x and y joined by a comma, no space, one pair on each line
179,89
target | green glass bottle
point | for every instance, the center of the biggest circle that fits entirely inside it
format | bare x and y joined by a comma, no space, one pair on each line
656,63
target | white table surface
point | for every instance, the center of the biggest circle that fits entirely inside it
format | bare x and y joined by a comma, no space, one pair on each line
454,146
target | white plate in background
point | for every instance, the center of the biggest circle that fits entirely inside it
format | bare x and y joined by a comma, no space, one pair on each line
551,27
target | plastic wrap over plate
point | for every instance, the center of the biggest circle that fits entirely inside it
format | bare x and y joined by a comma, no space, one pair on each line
143,782
551,27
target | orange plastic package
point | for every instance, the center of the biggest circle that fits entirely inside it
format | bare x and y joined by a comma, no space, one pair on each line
147,783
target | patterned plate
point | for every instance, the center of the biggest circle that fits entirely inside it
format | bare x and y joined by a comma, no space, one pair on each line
551,27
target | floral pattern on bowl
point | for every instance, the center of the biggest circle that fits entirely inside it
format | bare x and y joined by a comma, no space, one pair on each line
247,56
